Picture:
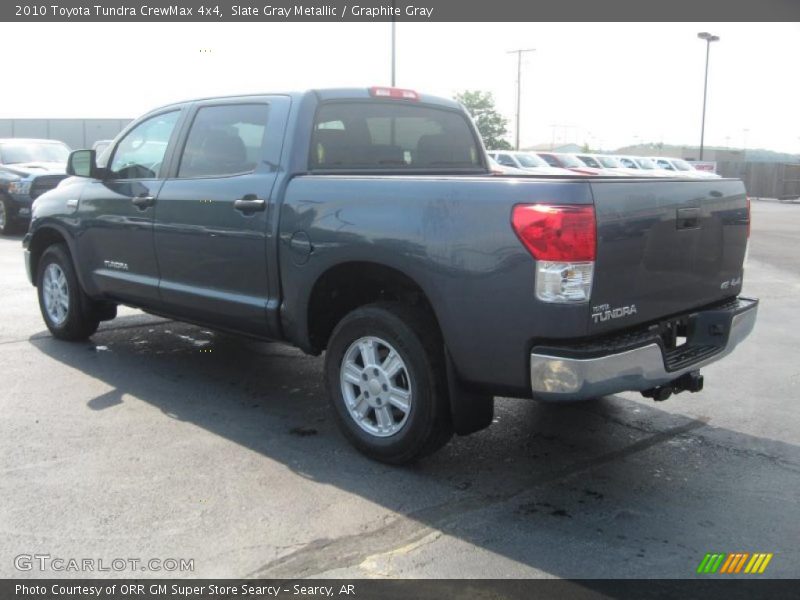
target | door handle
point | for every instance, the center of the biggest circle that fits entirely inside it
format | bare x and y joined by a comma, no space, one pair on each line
250,204
143,201
687,218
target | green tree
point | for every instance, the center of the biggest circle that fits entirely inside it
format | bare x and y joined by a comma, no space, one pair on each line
492,126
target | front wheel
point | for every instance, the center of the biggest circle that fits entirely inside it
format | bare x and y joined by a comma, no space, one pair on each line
6,222
61,300
384,370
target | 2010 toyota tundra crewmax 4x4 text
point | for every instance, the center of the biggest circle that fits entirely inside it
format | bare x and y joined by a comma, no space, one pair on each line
366,223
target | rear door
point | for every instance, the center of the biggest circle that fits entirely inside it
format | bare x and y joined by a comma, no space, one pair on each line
665,247
212,213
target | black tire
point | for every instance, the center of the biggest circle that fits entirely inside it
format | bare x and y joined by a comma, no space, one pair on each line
79,322
7,223
414,335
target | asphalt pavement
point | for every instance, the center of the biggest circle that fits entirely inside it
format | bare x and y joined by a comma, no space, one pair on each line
160,440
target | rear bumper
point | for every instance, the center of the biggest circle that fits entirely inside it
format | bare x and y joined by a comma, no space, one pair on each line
639,361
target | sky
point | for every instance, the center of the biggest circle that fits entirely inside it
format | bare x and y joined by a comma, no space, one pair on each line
605,84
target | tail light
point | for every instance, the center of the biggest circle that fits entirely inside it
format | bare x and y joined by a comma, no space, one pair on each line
563,241
394,93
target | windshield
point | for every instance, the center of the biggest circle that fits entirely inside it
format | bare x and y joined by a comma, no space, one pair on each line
12,153
681,165
569,161
609,162
589,161
646,163
531,160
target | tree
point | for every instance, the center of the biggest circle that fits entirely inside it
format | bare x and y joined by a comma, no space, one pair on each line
490,123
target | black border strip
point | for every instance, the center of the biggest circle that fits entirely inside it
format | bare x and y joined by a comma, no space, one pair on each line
401,10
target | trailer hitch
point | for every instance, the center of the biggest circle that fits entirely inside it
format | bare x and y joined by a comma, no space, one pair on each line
688,382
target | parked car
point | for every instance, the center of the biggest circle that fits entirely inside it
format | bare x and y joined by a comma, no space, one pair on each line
644,164
568,161
681,168
593,163
526,161
498,169
364,223
612,163
28,168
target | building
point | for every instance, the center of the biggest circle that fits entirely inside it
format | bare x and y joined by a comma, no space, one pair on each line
75,133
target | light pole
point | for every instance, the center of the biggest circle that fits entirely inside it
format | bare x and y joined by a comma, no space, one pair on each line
704,35
519,88
394,27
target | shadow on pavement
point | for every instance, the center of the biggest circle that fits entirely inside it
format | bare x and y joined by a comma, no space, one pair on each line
610,488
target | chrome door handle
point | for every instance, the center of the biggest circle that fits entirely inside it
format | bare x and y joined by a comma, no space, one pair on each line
250,204
143,201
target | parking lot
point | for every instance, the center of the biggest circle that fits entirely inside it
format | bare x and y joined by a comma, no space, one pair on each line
163,440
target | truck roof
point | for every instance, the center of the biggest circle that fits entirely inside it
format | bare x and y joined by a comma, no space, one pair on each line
351,93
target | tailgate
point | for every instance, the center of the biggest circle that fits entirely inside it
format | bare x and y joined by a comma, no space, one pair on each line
665,247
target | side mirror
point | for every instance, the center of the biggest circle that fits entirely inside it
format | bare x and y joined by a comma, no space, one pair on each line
82,163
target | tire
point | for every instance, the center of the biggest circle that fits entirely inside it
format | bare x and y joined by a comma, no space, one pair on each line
386,380
7,224
64,306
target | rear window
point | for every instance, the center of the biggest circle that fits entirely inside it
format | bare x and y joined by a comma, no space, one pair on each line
389,135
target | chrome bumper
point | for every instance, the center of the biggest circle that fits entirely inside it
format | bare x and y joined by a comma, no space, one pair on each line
557,378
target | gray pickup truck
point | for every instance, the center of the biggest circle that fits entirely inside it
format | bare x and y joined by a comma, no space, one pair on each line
366,223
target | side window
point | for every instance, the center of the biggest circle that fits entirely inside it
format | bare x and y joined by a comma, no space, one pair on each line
628,163
224,140
140,153
664,165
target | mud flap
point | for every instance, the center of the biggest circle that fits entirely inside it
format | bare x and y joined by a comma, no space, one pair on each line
470,411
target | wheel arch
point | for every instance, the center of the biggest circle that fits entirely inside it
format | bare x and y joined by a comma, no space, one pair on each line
42,238
345,286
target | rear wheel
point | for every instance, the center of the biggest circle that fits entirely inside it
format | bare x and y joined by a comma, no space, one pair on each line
64,306
385,374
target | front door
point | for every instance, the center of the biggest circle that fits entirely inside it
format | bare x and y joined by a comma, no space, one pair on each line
212,214
117,212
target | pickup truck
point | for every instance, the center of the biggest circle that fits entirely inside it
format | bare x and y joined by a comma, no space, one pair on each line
28,168
366,224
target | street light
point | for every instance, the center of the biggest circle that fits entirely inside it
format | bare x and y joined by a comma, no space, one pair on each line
394,43
704,35
519,87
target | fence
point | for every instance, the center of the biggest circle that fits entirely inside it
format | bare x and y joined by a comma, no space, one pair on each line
765,180
75,133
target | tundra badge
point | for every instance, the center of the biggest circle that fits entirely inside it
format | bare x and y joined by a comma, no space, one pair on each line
604,312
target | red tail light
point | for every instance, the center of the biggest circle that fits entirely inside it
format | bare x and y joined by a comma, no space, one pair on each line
556,233
394,93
